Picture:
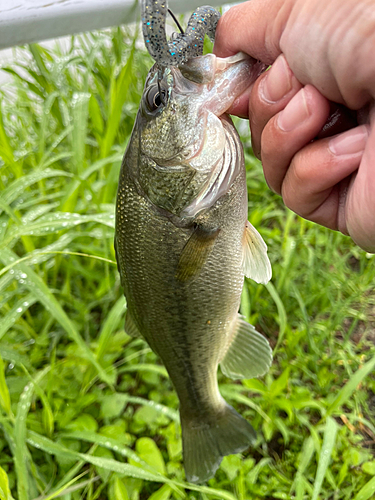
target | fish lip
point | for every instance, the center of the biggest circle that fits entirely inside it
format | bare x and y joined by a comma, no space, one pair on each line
182,85
228,77
234,76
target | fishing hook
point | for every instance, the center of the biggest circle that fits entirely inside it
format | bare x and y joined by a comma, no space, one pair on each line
176,21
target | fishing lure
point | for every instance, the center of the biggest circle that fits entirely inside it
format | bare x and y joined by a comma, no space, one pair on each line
182,46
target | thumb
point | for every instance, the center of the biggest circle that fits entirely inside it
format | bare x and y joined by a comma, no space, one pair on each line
253,27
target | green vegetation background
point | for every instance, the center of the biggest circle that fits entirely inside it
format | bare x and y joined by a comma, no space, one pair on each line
86,411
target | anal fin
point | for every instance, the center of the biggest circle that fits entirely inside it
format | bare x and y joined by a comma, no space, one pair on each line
256,264
249,355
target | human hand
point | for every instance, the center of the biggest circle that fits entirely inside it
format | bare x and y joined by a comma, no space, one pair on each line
320,52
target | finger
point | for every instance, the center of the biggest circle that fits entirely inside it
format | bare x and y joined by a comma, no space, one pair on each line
289,131
246,28
360,207
316,184
240,106
270,94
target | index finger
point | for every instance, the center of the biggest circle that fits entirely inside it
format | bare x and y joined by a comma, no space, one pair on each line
253,27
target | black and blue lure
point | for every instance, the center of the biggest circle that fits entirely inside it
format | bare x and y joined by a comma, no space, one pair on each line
183,46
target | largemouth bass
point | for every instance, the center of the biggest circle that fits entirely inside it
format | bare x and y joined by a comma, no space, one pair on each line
183,245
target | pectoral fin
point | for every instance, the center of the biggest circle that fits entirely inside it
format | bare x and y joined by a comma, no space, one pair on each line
256,264
249,355
131,328
195,253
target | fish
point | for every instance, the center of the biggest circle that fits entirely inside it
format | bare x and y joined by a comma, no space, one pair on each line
183,245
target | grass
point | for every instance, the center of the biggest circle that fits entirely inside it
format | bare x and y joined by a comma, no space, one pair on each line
86,412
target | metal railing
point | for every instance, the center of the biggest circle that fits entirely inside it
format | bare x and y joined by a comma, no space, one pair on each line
27,21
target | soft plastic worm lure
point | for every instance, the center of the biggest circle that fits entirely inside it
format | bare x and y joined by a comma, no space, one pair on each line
183,46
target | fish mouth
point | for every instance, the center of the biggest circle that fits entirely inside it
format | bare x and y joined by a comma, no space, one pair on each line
213,83
216,81
206,85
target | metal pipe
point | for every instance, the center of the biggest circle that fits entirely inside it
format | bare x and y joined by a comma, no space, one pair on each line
27,21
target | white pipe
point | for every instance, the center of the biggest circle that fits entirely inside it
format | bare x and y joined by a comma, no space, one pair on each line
27,21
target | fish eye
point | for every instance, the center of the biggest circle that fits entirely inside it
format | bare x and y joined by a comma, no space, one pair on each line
154,98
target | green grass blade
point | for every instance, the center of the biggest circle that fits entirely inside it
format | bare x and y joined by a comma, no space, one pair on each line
15,357
110,444
48,418
306,455
112,465
80,107
282,316
111,323
17,187
4,486
38,52
58,221
21,452
4,392
63,489
348,389
6,151
15,313
66,492
118,95
99,164
242,399
367,492
80,111
325,455
165,410
163,493
122,468
211,492
146,367
42,293
20,443
71,474
36,257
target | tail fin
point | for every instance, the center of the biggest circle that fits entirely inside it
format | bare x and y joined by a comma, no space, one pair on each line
205,444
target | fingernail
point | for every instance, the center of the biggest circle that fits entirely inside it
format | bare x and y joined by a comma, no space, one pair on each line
277,81
295,113
350,142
